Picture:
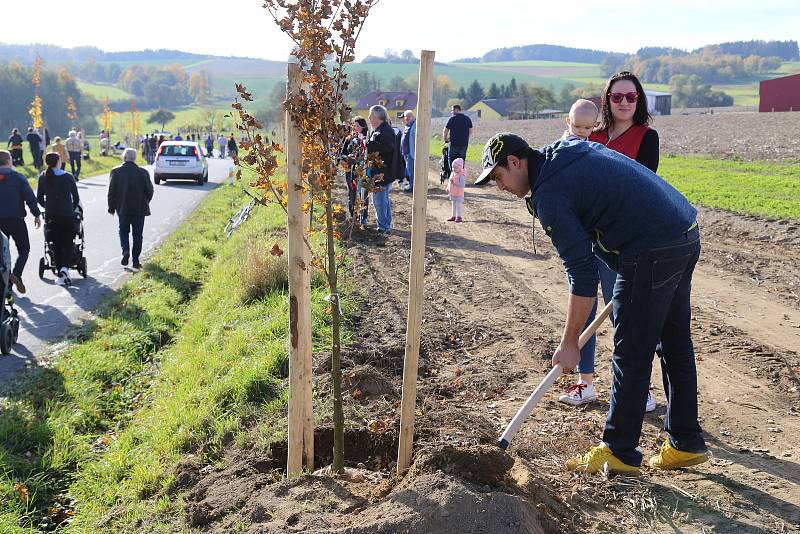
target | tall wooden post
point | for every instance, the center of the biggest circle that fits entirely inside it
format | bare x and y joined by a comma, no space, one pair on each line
416,281
301,428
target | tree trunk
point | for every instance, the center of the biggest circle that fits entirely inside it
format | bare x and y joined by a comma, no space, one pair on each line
336,352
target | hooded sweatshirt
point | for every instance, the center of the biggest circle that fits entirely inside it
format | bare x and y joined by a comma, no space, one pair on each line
595,201
15,192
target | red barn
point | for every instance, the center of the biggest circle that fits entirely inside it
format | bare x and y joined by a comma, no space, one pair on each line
780,94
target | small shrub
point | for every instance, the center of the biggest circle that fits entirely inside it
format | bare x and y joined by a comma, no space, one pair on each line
261,273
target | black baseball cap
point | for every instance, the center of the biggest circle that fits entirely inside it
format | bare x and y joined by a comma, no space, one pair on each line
497,148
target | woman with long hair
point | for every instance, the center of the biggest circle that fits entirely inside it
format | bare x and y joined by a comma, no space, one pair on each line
58,195
625,121
354,153
625,128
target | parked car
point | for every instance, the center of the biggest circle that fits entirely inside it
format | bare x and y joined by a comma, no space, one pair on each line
182,160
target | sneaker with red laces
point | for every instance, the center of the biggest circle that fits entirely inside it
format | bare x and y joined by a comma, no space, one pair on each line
580,393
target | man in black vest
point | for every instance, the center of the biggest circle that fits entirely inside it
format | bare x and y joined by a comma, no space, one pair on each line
129,195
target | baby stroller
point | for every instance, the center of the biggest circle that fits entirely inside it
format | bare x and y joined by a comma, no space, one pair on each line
9,322
444,174
77,260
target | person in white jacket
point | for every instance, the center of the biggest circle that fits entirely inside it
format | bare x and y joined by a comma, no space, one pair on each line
75,150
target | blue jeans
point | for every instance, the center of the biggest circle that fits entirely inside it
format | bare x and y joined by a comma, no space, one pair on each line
607,280
652,303
383,207
131,224
409,171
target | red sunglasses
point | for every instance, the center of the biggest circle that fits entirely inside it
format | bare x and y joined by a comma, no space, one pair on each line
630,97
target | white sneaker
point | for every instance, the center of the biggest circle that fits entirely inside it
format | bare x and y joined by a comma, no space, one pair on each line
651,403
580,393
61,280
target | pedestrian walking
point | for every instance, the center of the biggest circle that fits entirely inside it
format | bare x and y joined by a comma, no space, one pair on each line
644,230
35,145
232,148
222,142
75,152
129,193
57,193
457,132
15,193
59,148
209,142
15,146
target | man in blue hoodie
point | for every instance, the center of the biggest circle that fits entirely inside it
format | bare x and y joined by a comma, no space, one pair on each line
15,192
592,201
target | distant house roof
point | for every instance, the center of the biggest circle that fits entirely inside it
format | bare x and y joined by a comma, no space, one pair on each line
374,98
503,106
551,111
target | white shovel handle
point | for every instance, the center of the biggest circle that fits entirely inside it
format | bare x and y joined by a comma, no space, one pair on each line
526,409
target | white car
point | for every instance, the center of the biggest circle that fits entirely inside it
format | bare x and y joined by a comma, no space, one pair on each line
183,160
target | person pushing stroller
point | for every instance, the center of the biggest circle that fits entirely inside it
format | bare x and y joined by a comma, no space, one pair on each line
58,195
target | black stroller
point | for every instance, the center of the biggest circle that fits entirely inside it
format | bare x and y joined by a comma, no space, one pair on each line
77,260
9,322
444,173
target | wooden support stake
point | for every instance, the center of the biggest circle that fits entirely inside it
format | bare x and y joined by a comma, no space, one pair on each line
301,429
416,280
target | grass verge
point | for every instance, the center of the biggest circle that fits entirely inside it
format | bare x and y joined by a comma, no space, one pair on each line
770,189
173,363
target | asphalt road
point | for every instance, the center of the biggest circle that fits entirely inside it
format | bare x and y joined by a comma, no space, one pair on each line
47,309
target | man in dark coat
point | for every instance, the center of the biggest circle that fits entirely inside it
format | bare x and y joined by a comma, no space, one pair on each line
15,192
35,144
382,142
129,195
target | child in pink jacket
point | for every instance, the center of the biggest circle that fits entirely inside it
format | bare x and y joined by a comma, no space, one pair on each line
455,188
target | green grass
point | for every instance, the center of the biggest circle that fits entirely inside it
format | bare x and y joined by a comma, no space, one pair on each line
533,63
174,364
184,117
102,91
760,188
769,189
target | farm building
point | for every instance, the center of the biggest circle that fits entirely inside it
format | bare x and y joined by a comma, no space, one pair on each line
780,94
549,114
493,108
658,103
395,102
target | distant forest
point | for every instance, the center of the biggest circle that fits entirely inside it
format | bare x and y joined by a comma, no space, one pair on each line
784,50
26,54
542,52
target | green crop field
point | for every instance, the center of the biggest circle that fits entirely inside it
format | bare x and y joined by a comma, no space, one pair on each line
757,188
102,91
760,188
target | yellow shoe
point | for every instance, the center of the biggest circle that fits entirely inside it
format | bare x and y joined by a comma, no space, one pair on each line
596,459
671,458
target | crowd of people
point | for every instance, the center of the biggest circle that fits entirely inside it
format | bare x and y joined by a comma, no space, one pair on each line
58,202
613,221
377,155
71,150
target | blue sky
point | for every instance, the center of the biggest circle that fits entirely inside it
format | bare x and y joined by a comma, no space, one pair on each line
454,29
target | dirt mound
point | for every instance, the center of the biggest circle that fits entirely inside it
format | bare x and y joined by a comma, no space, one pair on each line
447,489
